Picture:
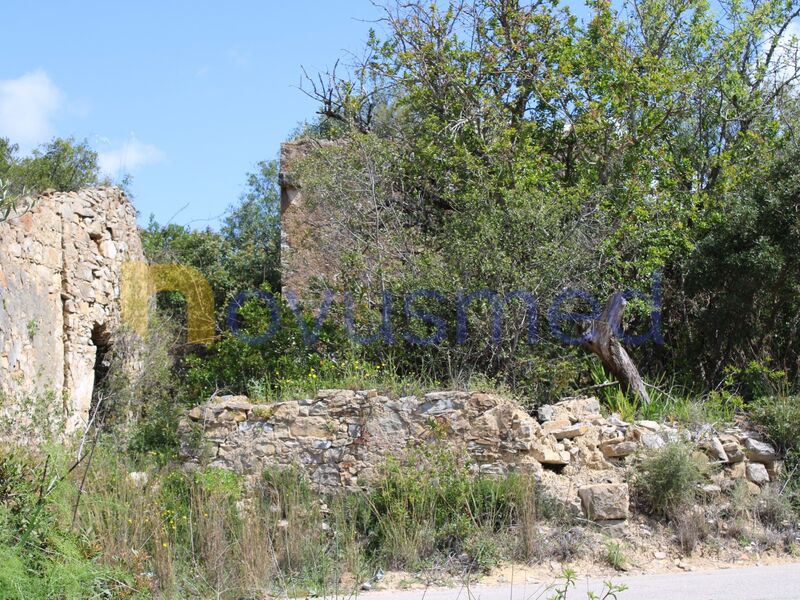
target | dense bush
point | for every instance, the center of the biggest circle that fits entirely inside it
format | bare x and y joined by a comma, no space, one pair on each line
510,146
666,480
780,419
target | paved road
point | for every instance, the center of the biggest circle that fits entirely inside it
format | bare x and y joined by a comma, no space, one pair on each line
779,582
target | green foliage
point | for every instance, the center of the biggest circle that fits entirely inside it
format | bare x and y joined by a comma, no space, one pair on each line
614,555
507,146
42,557
429,505
63,165
567,581
665,481
780,419
9,200
740,284
756,379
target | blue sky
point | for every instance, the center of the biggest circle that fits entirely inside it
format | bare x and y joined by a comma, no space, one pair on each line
186,96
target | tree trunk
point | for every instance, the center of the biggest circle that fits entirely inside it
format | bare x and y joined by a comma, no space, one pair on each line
601,339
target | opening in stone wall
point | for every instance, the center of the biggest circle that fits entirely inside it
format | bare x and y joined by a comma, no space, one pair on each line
101,338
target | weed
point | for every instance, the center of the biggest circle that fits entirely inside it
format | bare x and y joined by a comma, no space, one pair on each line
691,527
33,329
568,580
774,510
614,555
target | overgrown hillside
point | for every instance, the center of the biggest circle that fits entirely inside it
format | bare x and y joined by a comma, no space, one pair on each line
499,169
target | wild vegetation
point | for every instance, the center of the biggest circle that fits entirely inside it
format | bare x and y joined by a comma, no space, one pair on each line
478,145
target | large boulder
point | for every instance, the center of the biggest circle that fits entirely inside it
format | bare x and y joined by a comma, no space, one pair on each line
760,452
605,501
757,473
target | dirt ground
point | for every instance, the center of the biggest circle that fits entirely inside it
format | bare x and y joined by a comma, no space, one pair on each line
648,548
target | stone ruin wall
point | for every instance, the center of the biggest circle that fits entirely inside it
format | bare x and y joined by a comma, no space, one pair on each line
307,232
60,266
342,437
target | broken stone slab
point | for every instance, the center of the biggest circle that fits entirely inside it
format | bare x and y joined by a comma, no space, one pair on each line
200,413
437,403
237,416
549,427
553,412
651,425
616,421
733,451
618,450
759,452
581,407
550,456
737,471
757,473
230,403
571,431
313,427
605,501
652,441
717,451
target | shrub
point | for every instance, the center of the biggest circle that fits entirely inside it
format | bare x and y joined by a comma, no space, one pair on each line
429,504
775,510
666,480
614,555
779,417
691,527
41,556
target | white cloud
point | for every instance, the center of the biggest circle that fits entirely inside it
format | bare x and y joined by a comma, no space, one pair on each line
27,106
128,157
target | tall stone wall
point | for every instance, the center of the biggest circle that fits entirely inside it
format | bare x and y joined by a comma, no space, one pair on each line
306,229
60,266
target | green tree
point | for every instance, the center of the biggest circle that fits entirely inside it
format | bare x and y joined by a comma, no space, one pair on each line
253,228
241,256
63,165
532,150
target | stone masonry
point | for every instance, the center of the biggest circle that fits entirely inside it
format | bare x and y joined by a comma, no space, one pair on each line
306,230
60,267
342,437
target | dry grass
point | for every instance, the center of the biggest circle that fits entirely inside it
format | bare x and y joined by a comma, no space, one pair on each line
691,528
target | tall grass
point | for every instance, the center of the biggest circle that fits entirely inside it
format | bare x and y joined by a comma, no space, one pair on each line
168,533
669,401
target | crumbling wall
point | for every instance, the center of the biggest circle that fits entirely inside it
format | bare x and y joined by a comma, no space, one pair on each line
306,228
60,268
342,437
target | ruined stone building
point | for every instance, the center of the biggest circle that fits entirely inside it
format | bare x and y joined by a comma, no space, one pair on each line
60,270
306,230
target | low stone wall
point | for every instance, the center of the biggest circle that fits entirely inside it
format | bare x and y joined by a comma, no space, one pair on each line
341,438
